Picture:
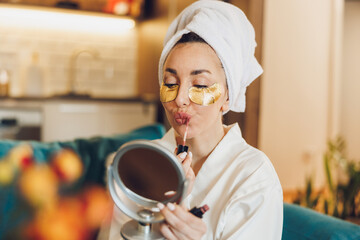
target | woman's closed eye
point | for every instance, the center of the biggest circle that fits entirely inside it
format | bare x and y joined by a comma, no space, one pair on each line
200,86
170,85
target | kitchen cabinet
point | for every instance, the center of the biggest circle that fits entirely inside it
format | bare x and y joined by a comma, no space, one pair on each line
20,122
65,121
68,120
62,120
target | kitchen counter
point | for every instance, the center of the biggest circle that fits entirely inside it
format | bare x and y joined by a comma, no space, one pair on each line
145,99
68,117
33,103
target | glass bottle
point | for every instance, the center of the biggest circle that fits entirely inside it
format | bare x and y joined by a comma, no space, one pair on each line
4,83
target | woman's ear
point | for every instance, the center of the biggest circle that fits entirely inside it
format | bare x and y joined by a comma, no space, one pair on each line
225,107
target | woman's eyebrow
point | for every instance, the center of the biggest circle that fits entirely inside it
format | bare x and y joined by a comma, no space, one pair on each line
170,70
199,71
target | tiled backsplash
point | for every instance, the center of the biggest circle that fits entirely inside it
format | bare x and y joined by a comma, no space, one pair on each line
89,5
111,74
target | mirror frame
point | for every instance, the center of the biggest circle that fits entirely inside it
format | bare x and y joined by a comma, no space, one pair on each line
130,202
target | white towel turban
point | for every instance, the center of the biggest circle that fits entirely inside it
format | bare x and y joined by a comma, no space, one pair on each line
227,30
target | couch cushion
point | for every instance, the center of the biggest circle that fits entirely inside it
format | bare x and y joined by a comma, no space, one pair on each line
305,224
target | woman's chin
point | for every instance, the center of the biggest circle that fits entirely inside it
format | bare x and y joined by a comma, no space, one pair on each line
180,130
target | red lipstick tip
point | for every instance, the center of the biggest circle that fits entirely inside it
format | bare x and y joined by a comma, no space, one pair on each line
205,208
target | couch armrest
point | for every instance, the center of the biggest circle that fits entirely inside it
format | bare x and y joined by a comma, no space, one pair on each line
303,223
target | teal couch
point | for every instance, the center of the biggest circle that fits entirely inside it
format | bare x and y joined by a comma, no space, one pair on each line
299,223
305,224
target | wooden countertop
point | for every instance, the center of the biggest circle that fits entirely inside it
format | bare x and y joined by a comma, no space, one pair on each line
82,98
33,103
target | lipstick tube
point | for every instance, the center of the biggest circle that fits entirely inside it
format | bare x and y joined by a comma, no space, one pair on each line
199,212
181,148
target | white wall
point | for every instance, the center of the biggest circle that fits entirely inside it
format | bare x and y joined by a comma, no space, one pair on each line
350,101
311,84
295,84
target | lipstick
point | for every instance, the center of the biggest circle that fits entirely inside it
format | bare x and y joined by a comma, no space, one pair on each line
199,212
183,147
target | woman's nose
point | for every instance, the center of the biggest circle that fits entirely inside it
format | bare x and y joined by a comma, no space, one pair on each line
182,98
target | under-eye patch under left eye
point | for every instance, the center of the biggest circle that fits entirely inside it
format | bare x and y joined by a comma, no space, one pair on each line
205,96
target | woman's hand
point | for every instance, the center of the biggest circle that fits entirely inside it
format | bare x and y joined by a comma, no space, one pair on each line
180,223
186,159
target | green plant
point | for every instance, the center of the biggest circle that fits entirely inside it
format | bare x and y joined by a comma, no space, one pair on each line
308,198
341,197
343,181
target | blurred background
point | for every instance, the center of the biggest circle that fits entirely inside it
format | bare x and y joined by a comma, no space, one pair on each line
71,69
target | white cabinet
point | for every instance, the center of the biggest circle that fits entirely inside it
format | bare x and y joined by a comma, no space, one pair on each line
77,119
23,116
20,121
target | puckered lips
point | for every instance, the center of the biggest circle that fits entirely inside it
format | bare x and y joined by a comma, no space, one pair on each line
182,118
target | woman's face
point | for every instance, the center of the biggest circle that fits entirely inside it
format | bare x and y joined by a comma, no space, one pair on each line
194,65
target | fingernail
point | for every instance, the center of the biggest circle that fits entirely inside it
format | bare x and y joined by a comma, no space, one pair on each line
171,206
160,206
183,155
190,154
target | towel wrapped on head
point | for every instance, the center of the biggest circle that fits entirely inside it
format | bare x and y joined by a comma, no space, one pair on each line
227,30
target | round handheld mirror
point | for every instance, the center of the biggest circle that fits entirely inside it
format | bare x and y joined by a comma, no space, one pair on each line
142,174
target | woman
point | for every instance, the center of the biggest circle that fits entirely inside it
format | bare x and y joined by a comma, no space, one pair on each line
206,64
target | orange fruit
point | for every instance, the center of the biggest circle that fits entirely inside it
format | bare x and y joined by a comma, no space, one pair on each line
67,165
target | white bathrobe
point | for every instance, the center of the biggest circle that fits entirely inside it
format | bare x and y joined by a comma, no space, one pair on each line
241,187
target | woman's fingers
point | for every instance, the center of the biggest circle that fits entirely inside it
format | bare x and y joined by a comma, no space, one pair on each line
182,156
181,223
185,158
187,161
166,232
170,233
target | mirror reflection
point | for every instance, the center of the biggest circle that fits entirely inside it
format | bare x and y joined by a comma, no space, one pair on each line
148,173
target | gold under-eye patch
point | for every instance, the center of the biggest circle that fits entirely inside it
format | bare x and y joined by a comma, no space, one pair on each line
205,96
201,96
168,93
